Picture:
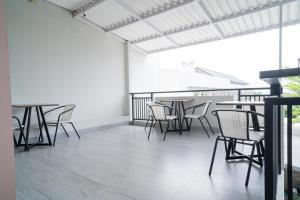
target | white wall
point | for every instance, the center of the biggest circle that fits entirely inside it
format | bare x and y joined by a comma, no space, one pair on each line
7,163
56,58
149,74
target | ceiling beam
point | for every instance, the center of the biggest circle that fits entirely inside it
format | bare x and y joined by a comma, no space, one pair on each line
171,32
136,15
273,26
149,13
209,17
219,19
86,7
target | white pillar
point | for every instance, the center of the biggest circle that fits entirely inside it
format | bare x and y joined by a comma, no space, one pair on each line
7,162
128,77
280,37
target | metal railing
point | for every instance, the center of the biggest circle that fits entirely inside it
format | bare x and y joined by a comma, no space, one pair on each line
273,143
139,99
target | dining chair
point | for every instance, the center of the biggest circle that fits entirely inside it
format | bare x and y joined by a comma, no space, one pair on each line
161,113
20,128
199,115
150,116
64,117
234,128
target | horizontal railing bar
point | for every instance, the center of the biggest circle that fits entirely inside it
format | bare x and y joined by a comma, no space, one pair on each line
255,95
282,100
205,90
141,97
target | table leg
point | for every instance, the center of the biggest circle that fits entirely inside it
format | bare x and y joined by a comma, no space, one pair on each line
179,118
45,125
41,137
23,124
27,129
184,119
254,119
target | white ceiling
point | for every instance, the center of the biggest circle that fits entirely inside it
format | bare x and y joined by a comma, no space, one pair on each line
159,25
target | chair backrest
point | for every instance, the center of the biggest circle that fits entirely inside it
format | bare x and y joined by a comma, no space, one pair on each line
261,120
233,123
206,107
67,112
158,111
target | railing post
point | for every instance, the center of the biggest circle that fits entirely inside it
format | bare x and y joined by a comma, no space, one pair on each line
239,95
289,153
271,164
132,109
152,96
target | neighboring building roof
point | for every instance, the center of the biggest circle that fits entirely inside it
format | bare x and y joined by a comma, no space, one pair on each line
159,25
232,79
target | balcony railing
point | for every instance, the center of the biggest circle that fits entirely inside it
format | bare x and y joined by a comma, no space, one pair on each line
139,99
273,141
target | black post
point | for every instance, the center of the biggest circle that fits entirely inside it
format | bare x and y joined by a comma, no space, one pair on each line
289,154
132,108
276,90
270,153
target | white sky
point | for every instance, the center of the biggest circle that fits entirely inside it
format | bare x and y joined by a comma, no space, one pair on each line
242,57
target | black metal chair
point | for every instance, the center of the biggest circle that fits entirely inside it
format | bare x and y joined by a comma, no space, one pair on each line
234,127
20,128
160,113
64,117
199,116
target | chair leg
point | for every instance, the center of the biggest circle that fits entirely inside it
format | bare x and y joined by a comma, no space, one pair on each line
161,129
15,140
229,149
65,130
54,140
151,126
262,148
75,130
259,154
189,128
166,130
204,127
154,124
250,164
213,156
147,122
209,125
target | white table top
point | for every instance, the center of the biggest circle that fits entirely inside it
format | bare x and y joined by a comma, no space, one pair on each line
34,105
176,100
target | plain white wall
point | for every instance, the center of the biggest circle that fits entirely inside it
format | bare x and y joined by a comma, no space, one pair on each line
149,74
56,58
7,162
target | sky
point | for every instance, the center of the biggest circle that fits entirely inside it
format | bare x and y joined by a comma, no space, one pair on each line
242,57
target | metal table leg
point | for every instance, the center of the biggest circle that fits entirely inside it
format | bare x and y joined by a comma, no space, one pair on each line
45,125
27,129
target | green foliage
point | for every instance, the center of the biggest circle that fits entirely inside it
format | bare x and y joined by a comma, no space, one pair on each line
294,87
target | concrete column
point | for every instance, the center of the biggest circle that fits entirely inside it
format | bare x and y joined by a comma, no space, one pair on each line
7,161
128,77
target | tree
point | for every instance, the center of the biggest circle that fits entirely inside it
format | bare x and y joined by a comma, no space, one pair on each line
294,91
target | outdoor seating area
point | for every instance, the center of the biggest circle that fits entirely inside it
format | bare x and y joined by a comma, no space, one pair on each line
149,100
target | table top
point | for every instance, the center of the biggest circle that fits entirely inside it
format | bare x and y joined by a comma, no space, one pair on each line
34,105
177,100
242,103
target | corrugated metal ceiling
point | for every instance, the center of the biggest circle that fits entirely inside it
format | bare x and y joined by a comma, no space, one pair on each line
159,25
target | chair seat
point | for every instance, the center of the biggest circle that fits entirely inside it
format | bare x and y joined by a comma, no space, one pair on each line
256,136
171,117
55,122
17,128
193,116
